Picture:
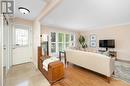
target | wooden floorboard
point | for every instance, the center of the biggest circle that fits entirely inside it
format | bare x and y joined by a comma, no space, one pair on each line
28,75
77,76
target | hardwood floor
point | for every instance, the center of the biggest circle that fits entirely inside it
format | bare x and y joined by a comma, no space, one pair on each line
28,75
76,76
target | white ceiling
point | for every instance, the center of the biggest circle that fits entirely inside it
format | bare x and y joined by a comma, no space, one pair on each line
35,7
88,14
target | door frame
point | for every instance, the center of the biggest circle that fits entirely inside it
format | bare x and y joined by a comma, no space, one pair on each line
29,41
1,49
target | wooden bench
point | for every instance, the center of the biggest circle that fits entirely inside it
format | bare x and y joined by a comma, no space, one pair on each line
55,69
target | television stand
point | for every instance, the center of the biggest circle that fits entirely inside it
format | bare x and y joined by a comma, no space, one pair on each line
102,51
113,54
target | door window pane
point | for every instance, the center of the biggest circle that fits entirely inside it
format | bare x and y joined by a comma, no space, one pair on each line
21,37
53,47
72,37
67,37
61,37
61,41
53,37
61,46
67,45
45,46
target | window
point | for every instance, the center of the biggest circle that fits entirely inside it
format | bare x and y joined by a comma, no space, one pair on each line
21,36
61,41
67,40
53,42
53,47
72,40
53,37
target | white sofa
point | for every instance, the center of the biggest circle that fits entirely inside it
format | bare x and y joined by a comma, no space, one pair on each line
92,61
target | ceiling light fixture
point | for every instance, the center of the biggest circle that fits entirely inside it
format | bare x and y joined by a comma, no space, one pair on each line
24,10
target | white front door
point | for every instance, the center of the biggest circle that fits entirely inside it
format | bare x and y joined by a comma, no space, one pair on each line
22,51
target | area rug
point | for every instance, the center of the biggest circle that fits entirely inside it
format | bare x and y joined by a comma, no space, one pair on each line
122,71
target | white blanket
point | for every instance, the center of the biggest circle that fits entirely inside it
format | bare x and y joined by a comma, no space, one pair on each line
47,61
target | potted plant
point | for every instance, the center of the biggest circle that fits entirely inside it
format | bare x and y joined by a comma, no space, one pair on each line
82,41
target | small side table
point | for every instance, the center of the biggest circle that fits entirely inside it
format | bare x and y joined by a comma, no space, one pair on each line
62,52
113,54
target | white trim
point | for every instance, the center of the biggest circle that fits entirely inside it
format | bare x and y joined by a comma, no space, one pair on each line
1,57
107,26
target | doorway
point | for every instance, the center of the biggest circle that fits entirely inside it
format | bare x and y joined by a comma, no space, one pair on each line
22,50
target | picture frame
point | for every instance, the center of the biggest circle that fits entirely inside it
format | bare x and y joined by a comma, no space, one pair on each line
93,44
92,37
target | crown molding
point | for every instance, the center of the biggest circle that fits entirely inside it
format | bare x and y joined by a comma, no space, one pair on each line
108,26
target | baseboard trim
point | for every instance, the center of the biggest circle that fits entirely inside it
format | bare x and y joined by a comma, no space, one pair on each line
123,60
21,63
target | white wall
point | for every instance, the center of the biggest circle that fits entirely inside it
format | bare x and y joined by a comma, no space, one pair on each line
36,41
47,29
121,34
23,21
11,43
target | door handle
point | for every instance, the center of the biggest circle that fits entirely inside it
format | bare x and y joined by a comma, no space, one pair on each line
4,48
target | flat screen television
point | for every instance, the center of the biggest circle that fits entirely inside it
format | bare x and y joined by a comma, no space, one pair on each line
107,43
